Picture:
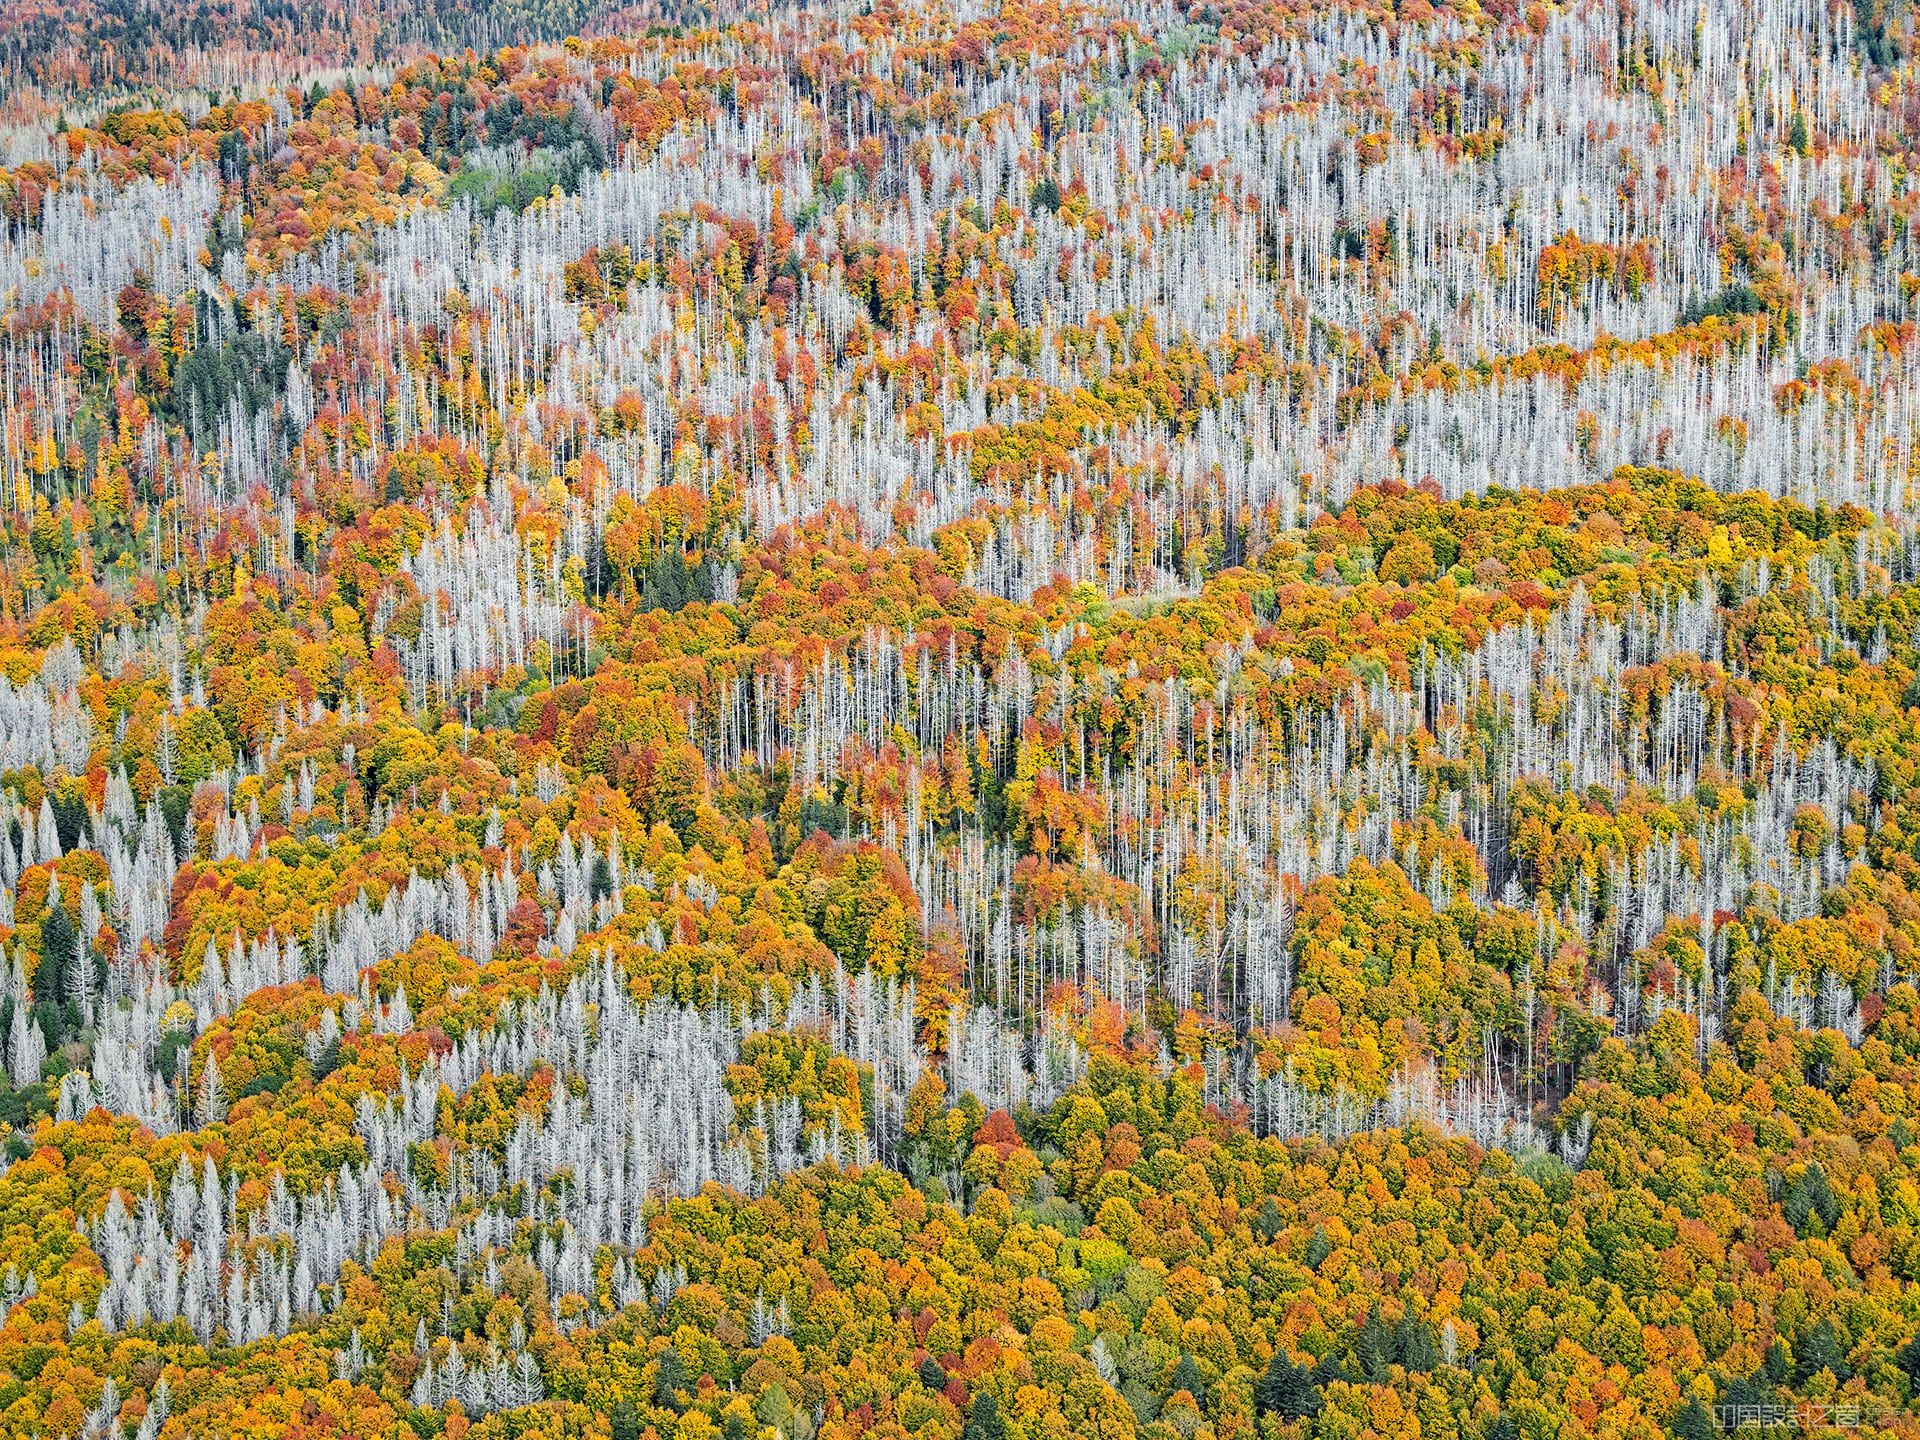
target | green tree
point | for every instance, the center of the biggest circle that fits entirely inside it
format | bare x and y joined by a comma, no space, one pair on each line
1693,1422
1809,1199
1821,1350
1186,1376
983,1420
1373,1349
1269,1222
1318,1248
59,942
776,1409
1286,1390
1414,1341
669,1378
1908,1360
1775,1366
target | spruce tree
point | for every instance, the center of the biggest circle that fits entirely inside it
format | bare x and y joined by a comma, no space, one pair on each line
1373,1350
1694,1421
1908,1360
983,1420
1286,1390
1414,1341
1186,1376
58,943
1820,1349
670,1377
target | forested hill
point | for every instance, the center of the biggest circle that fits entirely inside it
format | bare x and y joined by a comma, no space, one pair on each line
984,722
93,54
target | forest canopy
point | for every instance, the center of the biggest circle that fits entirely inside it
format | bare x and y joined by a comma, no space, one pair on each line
1191,721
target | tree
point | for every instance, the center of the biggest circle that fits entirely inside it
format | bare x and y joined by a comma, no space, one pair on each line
59,945
1693,1421
983,1419
1286,1390
1267,1223
1820,1349
1809,1199
1186,1376
1908,1359
868,916
1774,1365
1318,1248
210,1105
1373,1348
1413,1339
776,1409
670,1378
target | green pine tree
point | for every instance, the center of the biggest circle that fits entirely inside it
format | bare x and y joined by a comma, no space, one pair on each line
1908,1360
1821,1350
669,1378
1186,1376
58,947
1286,1390
1694,1421
1373,1350
1414,1341
1318,1248
983,1420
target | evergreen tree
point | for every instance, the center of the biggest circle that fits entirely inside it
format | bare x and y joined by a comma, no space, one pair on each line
1286,1390
69,808
1318,1248
1186,1376
672,584
1820,1349
1908,1359
59,943
1820,1196
983,1420
670,1377
1774,1365
775,1408
1268,1222
1694,1421
1413,1339
1373,1349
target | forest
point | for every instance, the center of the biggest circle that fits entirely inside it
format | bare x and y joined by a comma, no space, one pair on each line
1185,719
